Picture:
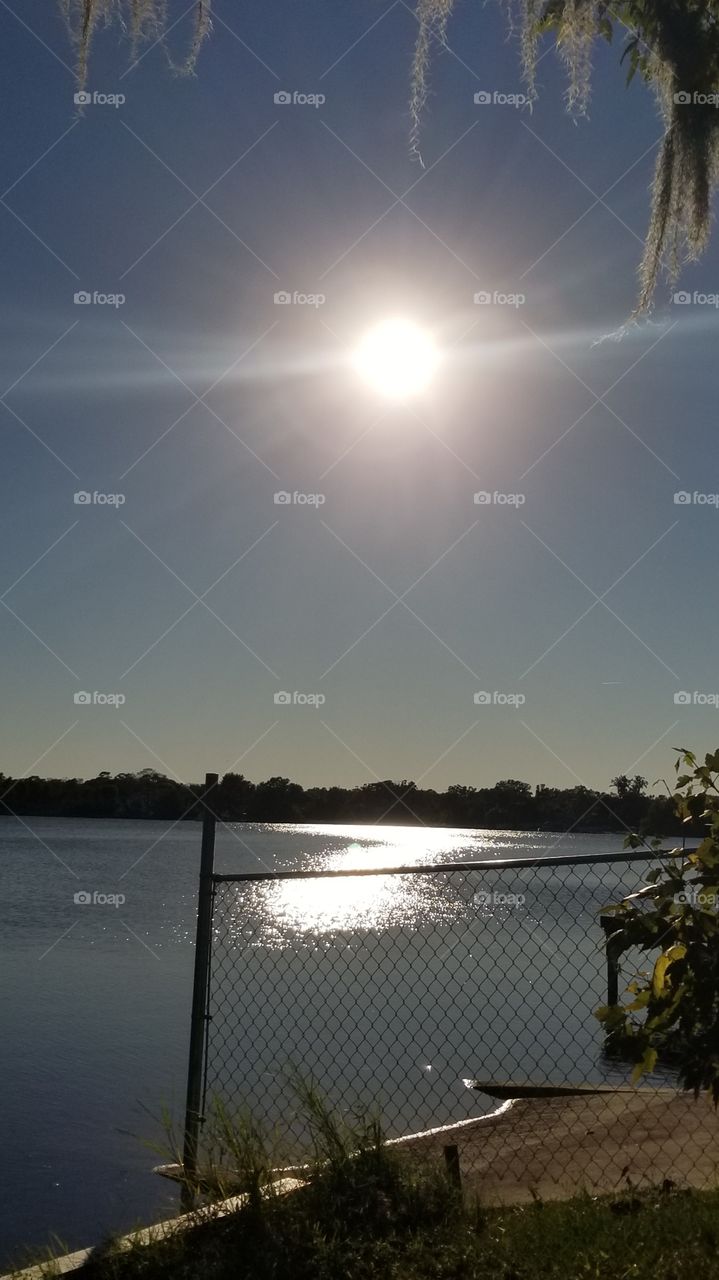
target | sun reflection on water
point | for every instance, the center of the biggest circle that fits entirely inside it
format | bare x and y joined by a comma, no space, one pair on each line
320,906
361,902
281,910
315,910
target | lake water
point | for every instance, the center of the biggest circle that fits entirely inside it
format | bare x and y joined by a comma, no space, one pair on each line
373,984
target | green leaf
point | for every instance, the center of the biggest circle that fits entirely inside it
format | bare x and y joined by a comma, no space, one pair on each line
646,1065
668,957
641,1002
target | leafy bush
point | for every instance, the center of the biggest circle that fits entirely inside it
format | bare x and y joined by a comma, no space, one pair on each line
673,1013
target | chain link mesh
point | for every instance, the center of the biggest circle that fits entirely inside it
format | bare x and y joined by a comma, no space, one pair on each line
393,991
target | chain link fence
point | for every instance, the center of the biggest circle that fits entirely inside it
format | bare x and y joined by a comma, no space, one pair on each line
395,989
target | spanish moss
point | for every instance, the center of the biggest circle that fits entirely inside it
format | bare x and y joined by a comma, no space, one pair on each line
143,20
674,46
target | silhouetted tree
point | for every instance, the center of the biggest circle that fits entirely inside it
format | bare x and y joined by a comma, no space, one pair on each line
625,786
509,803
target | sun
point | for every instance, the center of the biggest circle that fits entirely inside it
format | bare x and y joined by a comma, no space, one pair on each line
398,358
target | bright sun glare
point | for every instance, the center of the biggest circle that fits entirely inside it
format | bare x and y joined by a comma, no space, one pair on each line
398,358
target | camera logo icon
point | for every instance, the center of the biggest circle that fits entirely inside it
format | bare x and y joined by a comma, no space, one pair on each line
682,98
282,699
282,498
682,698
681,498
283,298
482,899
82,98
82,899
682,298
482,699
282,98
482,299
82,498
82,698
482,98
82,298
483,498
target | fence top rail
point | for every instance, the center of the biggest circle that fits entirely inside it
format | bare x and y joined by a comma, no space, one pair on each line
493,864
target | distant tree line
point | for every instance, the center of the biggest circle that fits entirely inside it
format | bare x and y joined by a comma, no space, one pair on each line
506,805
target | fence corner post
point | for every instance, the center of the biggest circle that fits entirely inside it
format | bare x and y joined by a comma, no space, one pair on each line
609,925
200,992
451,1160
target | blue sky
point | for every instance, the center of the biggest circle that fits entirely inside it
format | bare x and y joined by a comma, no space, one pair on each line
199,398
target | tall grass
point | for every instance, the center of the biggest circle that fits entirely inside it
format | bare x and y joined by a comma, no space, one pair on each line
371,1212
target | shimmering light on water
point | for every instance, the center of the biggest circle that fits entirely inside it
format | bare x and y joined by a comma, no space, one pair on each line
279,911
318,906
95,1035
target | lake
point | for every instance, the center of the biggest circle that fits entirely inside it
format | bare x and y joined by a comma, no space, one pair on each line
96,996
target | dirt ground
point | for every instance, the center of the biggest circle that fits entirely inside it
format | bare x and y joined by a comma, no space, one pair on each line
554,1148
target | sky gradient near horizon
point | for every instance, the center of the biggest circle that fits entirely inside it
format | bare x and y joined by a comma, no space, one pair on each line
399,597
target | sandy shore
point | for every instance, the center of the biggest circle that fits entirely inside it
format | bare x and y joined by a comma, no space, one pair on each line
557,1147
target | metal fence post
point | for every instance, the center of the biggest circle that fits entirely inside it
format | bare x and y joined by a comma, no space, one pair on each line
451,1161
609,925
198,1025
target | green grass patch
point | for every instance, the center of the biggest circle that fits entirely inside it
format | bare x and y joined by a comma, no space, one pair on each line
369,1212
390,1228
